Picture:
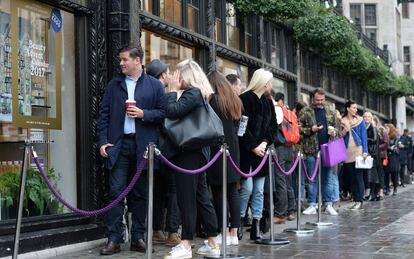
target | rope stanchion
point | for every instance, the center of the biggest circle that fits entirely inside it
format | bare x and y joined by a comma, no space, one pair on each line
315,170
224,214
271,240
186,171
235,167
279,167
151,151
110,206
298,230
319,223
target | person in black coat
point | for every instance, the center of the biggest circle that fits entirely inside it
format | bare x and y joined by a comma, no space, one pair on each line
405,146
192,192
260,133
228,107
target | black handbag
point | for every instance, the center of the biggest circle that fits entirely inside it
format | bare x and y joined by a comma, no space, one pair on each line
199,128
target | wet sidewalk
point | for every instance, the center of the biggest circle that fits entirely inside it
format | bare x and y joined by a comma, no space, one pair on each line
383,229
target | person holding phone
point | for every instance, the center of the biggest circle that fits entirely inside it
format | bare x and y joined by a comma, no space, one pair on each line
317,124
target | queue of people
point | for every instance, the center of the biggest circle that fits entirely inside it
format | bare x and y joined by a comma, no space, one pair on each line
132,115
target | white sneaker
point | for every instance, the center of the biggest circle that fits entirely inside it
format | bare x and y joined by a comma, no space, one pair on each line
219,238
331,211
234,241
357,206
311,210
210,251
179,252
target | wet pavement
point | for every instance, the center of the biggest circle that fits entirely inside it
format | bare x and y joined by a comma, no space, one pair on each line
383,229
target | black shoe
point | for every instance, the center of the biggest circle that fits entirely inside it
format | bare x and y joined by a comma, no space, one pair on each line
264,224
240,230
110,248
255,231
138,246
247,221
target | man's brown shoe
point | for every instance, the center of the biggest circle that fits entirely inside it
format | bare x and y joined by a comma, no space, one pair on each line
173,239
138,246
110,248
277,220
158,237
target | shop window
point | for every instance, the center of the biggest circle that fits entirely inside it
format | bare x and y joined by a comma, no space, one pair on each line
280,86
193,9
228,67
233,32
161,48
147,5
405,9
248,37
170,10
41,40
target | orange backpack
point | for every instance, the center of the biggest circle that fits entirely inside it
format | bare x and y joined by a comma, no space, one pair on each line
290,127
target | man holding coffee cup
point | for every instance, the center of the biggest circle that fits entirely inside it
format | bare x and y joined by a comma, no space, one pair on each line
317,124
131,112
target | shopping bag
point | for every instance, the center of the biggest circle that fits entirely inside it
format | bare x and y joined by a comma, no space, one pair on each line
333,152
361,163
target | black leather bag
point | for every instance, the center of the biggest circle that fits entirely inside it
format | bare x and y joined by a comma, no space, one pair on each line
199,128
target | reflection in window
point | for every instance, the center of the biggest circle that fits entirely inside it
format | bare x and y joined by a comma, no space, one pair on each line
218,23
147,5
193,15
170,10
233,32
168,52
280,86
248,37
228,67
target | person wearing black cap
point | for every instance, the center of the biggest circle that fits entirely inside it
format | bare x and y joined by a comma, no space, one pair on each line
164,183
159,70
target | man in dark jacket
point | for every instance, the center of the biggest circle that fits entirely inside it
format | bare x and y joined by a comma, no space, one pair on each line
123,135
405,144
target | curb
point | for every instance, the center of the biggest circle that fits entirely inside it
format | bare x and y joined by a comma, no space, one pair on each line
61,250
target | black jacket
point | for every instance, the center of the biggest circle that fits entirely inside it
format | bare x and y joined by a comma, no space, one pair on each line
261,126
372,135
215,172
189,100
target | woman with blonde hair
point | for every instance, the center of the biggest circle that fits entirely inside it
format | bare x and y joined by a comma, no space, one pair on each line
260,133
192,193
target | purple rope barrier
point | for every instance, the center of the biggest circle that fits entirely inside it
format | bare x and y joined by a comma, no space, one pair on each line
110,206
291,170
187,171
235,167
315,170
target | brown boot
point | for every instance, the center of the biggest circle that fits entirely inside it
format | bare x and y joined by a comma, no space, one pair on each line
277,220
110,248
158,237
173,239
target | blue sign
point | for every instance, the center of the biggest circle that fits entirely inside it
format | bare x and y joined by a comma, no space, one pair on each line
56,20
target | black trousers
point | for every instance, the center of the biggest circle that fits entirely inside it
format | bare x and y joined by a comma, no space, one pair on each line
355,178
165,197
394,178
233,204
402,172
193,196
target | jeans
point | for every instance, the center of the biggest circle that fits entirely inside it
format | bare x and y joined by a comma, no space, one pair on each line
329,184
119,177
252,186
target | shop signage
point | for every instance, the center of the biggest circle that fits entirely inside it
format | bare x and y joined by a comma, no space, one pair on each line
56,20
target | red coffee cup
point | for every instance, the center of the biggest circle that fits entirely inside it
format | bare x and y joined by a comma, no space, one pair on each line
130,103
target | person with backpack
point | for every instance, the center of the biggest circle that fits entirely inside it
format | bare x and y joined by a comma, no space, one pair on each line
317,123
284,194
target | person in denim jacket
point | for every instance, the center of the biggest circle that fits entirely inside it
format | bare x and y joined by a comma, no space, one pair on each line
355,136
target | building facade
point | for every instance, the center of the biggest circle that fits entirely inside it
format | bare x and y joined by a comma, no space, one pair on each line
89,34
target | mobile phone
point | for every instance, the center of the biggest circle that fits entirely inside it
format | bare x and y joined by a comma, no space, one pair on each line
319,124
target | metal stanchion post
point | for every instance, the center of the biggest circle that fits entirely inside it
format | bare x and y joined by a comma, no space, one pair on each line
298,230
320,223
272,240
224,214
21,199
151,151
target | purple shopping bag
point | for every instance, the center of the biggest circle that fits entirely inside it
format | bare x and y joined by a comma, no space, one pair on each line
333,152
